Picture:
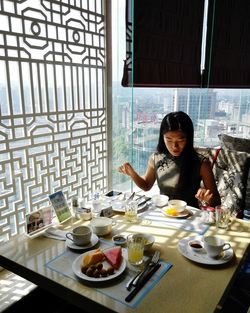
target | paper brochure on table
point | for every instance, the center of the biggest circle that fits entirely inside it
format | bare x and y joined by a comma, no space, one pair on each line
38,221
117,289
60,206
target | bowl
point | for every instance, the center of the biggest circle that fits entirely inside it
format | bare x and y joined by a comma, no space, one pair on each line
148,240
119,240
118,205
195,245
160,200
178,205
101,226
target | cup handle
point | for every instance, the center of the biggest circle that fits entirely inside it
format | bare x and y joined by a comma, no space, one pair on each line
113,223
226,246
69,236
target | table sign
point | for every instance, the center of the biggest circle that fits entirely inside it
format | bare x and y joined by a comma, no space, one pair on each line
107,212
60,206
38,221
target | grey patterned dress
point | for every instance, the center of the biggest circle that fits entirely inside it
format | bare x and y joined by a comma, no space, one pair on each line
167,171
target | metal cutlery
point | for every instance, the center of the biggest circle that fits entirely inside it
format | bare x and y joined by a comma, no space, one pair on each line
133,282
142,282
148,268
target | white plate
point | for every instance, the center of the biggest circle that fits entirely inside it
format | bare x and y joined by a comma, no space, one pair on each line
93,241
122,209
76,267
202,257
182,214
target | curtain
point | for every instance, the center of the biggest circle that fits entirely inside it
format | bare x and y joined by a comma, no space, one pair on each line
164,43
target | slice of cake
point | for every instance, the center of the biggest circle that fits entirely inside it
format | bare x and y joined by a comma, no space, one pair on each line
113,256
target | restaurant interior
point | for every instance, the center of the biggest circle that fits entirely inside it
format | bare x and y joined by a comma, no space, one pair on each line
84,85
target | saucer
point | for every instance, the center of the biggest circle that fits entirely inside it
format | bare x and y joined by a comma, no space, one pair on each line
202,256
93,241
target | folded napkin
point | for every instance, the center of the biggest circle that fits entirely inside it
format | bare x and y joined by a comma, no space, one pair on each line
55,233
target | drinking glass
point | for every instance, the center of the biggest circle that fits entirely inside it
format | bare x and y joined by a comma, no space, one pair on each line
131,211
222,215
135,246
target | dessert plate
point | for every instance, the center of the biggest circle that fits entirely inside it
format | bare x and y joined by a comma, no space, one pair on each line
202,256
182,214
93,241
76,267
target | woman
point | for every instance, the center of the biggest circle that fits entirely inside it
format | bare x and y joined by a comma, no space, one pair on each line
176,166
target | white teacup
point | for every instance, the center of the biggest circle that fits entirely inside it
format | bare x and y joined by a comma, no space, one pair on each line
215,245
80,235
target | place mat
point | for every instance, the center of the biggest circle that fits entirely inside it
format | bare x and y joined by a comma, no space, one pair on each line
114,289
192,223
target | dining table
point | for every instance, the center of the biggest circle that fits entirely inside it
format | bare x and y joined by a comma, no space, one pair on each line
184,283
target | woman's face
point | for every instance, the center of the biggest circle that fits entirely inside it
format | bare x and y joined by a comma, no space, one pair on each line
175,142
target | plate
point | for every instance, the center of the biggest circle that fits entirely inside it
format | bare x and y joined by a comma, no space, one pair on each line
93,241
202,256
182,214
76,267
122,209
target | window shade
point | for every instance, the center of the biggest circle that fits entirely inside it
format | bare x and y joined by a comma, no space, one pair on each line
165,43
164,40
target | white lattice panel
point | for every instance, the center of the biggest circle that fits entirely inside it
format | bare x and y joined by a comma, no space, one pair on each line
52,104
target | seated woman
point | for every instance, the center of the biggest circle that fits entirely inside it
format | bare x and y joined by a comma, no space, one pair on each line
176,166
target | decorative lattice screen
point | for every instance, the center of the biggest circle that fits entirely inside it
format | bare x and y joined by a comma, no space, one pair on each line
52,104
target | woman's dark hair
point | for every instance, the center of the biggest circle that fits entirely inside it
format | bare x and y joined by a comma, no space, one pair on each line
176,121
180,121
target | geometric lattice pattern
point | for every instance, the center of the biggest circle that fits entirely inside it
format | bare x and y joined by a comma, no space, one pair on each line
12,288
53,120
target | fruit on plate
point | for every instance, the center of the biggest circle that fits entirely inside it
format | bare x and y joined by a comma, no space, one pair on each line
171,211
92,258
113,256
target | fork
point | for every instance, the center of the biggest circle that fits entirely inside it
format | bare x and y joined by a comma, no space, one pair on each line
150,263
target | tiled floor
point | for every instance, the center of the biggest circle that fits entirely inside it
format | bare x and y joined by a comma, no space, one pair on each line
12,288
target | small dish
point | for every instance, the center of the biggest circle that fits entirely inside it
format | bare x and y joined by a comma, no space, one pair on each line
195,245
160,200
119,240
148,240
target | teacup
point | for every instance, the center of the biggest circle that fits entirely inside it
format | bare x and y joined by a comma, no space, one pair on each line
80,235
215,245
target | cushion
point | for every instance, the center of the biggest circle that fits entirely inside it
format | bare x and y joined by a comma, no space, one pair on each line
209,153
238,144
231,172
234,143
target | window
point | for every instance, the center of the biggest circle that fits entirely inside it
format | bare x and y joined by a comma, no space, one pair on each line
139,111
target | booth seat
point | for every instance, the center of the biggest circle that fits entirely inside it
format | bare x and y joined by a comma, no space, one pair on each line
230,162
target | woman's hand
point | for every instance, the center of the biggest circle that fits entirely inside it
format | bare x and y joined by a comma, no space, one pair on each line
126,169
204,195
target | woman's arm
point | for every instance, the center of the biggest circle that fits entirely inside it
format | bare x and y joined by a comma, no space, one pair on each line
210,192
144,182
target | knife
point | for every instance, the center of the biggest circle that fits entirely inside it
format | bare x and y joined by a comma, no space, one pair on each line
148,268
142,282
133,280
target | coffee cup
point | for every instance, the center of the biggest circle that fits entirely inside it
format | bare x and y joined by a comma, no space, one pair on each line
80,235
215,245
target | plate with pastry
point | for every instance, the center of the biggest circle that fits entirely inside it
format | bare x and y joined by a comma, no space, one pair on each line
99,265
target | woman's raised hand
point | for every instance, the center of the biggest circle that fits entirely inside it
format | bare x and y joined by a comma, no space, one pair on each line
126,169
204,195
